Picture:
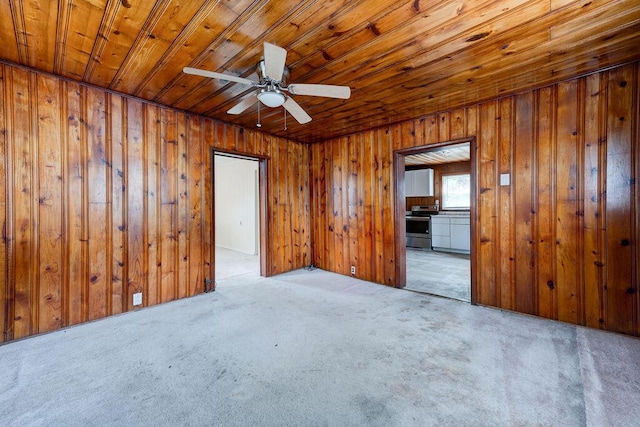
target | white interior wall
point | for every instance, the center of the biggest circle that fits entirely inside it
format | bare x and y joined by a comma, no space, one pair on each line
236,204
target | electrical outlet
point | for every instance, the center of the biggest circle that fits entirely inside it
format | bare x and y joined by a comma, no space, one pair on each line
353,269
137,298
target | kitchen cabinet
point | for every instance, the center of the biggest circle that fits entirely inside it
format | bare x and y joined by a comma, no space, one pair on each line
418,183
460,234
451,233
440,232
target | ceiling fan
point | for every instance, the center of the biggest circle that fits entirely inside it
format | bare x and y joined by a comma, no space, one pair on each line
272,89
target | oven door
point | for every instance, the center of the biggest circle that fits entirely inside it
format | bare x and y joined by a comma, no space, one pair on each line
419,232
420,226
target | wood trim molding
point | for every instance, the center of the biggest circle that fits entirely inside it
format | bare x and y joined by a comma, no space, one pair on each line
400,207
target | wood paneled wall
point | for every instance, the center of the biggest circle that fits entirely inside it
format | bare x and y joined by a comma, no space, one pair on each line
104,196
560,242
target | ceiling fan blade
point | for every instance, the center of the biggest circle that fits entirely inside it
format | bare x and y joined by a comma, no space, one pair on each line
221,76
296,111
275,58
329,91
243,105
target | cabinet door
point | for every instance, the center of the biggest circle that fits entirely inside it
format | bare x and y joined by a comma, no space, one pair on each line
409,184
441,242
461,236
418,183
440,227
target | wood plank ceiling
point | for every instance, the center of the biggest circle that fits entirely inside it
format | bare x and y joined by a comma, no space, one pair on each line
402,59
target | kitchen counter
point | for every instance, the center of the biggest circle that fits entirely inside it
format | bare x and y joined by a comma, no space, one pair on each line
454,213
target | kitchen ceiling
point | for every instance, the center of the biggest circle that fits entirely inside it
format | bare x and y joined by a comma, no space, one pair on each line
402,59
439,156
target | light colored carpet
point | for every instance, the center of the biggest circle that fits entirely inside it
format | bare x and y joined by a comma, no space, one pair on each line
316,348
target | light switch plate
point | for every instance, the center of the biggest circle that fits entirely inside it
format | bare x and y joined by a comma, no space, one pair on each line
505,179
137,298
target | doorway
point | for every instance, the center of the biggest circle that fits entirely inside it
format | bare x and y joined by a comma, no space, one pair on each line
237,215
444,266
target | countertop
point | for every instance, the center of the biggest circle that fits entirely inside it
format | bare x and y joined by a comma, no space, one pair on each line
454,213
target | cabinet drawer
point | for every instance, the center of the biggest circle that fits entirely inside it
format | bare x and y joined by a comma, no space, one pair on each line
461,221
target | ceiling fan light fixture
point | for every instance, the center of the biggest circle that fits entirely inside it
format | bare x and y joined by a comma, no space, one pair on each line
271,98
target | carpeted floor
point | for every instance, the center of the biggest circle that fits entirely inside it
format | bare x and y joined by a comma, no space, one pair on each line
316,348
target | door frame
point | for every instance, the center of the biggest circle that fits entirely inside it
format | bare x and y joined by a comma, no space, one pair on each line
400,208
210,284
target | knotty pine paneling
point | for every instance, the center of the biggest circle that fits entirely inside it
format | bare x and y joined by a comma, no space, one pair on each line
560,242
105,195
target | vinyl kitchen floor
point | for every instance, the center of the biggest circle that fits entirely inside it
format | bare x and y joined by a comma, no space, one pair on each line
439,273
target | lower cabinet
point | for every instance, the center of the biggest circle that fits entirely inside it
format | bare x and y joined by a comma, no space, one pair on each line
451,233
440,232
461,234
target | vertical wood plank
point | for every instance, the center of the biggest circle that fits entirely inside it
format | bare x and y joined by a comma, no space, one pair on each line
567,209
593,255
486,252
50,231
458,125
352,213
134,183
369,191
378,171
388,197
196,206
288,231
471,121
337,208
444,126
96,171
22,181
304,215
618,213
295,202
320,237
431,129
182,255
168,184
208,252
344,205
74,183
505,228
116,122
361,238
152,205
525,300
6,297
545,210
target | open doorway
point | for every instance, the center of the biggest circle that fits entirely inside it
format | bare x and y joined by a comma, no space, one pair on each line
237,218
436,193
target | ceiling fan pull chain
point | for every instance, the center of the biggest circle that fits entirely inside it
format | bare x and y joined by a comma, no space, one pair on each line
285,118
259,125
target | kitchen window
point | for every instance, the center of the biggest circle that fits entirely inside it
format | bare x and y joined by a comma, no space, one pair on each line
456,191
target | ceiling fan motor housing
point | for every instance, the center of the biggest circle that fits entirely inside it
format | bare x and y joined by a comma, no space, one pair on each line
262,73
